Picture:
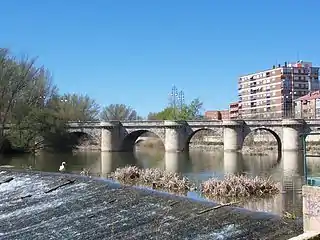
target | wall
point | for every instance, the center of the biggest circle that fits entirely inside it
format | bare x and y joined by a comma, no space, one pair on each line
217,114
311,208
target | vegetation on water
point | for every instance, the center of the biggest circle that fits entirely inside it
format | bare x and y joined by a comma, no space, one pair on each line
33,114
231,187
239,186
152,177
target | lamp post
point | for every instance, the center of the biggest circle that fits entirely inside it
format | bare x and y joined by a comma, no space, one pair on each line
174,95
292,93
181,99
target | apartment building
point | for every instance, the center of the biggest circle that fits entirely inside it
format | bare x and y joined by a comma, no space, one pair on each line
308,106
234,110
217,115
271,93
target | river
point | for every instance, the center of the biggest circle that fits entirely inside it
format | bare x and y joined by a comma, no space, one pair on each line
196,165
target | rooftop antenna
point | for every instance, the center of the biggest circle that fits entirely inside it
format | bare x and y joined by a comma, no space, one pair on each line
298,57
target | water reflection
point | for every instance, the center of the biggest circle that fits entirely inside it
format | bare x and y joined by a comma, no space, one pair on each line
197,165
175,162
233,163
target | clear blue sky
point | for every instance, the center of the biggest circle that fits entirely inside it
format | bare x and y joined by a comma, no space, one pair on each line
133,51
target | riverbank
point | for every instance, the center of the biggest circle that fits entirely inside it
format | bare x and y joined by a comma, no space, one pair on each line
99,209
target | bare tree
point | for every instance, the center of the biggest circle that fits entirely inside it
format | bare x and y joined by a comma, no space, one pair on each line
73,107
118,112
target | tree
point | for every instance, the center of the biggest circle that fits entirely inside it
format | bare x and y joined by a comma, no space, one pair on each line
30,102
73,107
191,111
186,112
119,112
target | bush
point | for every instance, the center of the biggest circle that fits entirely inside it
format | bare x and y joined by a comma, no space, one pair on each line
154,177
234,186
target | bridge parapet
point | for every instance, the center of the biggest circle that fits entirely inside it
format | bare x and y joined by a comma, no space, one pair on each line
141,124
313,122
204,123
263,122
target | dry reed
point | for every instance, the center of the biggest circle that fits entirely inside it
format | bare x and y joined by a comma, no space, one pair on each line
153,177
239,186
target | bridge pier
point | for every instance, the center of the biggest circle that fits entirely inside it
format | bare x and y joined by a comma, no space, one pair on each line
232,135
111,136
174,136
291,130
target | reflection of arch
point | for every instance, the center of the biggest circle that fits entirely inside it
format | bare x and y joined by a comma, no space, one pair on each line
5,146
257,164
276,136
218,141
130,140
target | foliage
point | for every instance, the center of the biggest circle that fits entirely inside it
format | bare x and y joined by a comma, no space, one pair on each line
73,107
30,103
119,112
186,112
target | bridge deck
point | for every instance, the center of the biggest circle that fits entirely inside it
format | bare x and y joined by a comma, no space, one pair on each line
98,209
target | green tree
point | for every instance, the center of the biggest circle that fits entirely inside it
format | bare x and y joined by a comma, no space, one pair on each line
30,102
119,112
186,112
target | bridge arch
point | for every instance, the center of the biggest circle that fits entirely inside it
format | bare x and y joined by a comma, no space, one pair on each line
129,141
271,131
205,135
80,139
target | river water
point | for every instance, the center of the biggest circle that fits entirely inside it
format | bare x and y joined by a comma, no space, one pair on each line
196,165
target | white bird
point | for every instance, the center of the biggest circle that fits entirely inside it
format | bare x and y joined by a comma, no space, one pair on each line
62,168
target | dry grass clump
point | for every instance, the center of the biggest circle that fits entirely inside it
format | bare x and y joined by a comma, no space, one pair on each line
153,177
239,186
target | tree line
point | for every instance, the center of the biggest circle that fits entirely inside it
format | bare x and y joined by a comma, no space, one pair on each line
32,104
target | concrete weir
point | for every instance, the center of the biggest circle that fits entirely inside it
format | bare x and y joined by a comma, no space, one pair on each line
99,209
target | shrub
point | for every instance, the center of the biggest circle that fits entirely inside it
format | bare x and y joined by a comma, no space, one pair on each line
234,186
154,177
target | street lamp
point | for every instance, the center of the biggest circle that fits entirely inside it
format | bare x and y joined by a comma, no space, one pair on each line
292,93
174,95
181,99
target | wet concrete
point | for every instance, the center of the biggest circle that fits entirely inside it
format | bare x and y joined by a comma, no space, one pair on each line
99,209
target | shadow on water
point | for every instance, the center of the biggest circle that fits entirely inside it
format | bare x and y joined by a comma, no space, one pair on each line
196,165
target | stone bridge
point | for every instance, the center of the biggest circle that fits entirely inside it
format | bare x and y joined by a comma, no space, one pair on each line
175,135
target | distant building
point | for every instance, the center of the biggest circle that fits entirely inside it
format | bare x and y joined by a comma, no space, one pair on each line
217,114
308,106
234,110
271,93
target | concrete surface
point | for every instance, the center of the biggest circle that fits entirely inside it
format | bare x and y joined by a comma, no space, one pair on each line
311,208
99,209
